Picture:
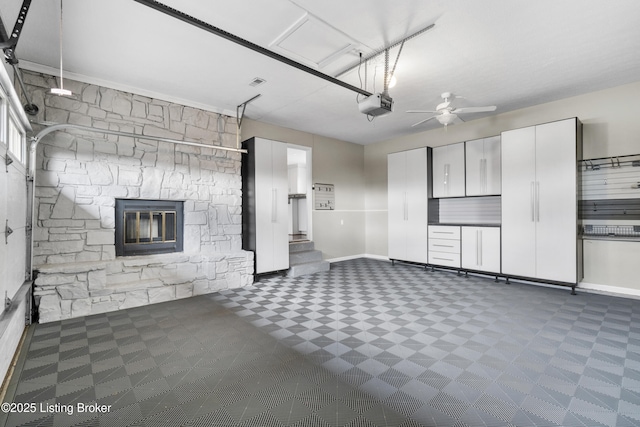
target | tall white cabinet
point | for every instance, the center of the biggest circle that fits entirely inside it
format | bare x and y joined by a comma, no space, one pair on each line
265,192
448,171
539,201
407,205
482,160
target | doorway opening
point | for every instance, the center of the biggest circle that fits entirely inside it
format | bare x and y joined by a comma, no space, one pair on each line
300,193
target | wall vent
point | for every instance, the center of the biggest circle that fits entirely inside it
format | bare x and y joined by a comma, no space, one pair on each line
257,82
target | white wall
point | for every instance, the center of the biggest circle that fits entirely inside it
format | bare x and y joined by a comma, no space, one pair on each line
611,127
338,233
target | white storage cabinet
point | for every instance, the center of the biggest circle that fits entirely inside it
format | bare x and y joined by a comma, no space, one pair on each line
265,204
407,205
481,249
482,160
448,171
539,201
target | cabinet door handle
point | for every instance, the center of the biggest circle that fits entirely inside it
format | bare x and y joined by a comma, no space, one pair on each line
480,247
446,178
538,201
405,214
274,205
484,176
533,202
482,191
477,249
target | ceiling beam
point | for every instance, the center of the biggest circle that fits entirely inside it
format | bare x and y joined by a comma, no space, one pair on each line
8,43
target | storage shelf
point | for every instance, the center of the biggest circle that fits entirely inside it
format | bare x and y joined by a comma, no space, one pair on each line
611,232
610,238
611,162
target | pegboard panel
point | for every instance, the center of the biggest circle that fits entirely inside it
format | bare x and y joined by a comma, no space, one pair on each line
324,197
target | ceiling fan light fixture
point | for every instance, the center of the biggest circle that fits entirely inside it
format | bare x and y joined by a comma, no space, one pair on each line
446,118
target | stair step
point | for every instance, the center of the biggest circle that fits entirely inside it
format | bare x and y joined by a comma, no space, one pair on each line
301,246
308,268
304,257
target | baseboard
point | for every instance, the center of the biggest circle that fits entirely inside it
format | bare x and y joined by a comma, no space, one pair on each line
350,257
582,286
608,289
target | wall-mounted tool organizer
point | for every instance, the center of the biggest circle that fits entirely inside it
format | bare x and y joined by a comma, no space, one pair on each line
324,197
620,209
611,178
611,188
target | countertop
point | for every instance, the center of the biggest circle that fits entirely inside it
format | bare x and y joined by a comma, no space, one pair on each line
464,225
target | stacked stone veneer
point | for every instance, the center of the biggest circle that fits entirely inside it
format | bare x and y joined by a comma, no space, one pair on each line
79,176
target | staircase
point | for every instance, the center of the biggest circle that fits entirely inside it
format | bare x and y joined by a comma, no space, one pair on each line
304,259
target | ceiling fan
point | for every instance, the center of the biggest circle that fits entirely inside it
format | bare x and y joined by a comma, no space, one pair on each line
447,114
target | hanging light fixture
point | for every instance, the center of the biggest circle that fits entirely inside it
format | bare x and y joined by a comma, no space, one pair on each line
446,118
61,91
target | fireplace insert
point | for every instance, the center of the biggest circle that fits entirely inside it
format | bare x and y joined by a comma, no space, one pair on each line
145,227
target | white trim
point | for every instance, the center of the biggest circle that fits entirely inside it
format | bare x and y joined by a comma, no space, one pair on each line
340,210
14,100
39,68
350,257
618,291
309,172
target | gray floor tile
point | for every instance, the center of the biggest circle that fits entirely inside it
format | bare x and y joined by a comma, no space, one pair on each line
364,344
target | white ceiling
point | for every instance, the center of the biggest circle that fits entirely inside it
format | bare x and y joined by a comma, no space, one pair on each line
509,53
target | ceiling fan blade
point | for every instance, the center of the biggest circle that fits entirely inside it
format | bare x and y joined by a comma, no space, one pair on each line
457,120
464,110
420,111
422,121
443,105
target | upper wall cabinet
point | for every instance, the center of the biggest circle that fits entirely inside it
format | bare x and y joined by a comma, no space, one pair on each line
483,167
448,171
297,179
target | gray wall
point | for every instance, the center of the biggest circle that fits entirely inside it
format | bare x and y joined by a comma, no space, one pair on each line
339,233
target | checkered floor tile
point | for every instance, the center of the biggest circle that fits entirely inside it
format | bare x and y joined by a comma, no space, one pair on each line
364,344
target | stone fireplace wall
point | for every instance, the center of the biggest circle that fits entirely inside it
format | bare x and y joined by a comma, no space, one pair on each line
79,176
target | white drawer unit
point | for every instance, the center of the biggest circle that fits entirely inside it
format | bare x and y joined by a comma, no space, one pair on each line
449,232
444,245
444,259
